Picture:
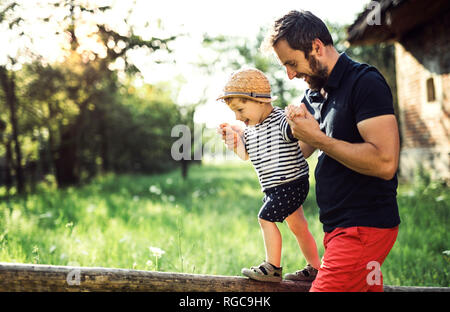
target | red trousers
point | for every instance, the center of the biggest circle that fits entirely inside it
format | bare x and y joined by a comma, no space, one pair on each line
353,258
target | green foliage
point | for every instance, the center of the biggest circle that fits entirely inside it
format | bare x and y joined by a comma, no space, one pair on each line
205,224
141,129
423,238
72,117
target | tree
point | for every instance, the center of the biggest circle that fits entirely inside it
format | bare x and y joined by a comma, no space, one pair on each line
89,85
8,85
7,79
70,110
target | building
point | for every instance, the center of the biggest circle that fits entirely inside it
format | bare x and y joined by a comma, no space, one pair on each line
420,31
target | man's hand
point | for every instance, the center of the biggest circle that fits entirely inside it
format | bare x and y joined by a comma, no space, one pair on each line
303,125
293,111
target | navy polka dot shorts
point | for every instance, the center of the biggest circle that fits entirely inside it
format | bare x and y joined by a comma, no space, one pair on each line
281,201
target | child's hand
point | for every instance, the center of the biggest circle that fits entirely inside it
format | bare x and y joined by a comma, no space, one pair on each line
229,136
294,111
233,139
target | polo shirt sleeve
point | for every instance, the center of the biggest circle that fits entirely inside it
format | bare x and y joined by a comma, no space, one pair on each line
313,109
371,96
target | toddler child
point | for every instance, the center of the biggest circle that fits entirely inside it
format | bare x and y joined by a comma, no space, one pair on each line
282,171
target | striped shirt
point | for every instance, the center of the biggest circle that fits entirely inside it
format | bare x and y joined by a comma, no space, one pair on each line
274,152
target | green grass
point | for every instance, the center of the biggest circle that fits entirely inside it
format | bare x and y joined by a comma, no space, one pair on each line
206,224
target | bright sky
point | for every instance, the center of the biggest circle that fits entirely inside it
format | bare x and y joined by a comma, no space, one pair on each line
193,18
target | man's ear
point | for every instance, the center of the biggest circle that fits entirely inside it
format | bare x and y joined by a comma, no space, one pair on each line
317,47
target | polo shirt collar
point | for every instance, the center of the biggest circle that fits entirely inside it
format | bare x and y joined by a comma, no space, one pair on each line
337,72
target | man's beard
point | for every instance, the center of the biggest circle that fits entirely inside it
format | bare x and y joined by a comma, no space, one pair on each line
319,78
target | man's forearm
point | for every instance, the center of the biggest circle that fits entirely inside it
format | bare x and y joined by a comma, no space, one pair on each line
364,158
376,156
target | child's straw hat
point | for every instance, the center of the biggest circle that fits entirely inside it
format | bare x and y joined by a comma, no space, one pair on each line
250,84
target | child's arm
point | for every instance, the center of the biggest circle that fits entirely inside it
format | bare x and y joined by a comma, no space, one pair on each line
307,150
233,140
293,112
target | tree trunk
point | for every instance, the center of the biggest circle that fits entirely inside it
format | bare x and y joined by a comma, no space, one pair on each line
66,154
184,168
8,160
104,146
66,159
9,84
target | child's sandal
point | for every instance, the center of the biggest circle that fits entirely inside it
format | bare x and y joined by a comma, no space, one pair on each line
265,272
308,274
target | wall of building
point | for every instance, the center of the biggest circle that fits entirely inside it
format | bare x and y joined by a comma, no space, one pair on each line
421,55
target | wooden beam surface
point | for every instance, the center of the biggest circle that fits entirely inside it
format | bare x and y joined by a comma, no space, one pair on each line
38,277
17,277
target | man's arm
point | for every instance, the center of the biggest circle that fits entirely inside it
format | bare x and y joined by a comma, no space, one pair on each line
376,156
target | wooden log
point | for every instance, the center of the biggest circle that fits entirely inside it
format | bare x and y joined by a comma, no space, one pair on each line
388,288
49,278
45,278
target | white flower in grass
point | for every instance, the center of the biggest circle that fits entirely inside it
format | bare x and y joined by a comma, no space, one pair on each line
155,190
157,252
196,194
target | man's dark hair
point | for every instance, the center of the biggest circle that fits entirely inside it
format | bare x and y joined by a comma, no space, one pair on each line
300,28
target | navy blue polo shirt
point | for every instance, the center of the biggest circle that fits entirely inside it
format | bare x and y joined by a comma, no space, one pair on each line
346,198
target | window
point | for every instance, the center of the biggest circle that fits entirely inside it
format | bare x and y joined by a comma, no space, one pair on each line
431,91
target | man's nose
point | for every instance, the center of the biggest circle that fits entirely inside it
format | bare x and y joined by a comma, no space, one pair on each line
238,116
291,73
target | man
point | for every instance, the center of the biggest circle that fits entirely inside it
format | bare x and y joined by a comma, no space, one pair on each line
347,114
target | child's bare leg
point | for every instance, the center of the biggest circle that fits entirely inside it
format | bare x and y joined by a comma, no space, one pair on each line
272,241
299,226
